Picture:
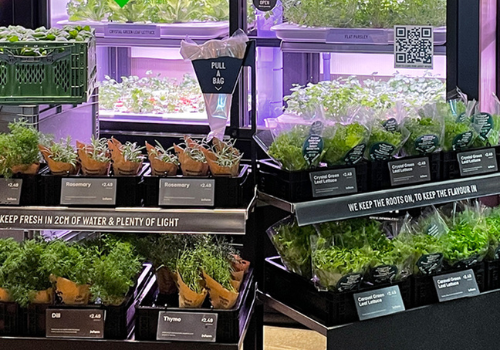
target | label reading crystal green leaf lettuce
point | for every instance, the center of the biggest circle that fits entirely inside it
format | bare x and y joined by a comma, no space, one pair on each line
426,144
384,273
391,125
462,118
430,263
355,154
381,151
462,141
349,282
485,122
312,148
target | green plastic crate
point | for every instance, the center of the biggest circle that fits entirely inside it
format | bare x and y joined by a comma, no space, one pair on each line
67,75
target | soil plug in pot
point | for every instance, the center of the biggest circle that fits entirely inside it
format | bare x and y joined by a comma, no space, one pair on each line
127,158
163,163
223,159
60,157
94,158
192,159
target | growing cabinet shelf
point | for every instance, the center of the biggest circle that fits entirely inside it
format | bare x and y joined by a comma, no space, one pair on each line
371,203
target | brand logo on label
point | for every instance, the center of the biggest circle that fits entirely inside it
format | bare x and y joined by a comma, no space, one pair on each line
171,319
56,315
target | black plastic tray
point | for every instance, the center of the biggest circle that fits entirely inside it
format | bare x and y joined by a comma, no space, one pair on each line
295,186
492,274
129,191
230,192
450,165
119,321
380,175
9,319
329,308
229,322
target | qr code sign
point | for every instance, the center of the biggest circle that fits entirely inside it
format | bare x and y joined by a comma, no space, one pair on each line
413,46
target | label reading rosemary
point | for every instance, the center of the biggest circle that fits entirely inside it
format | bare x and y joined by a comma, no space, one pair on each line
391,125
426,144
462,141
75,323
485,122
430,263
186,192
379,302
187,326
10,191
384,273
333,182
349,282
381,151
88,191
264,5
409,171
456,285
355,154
476,162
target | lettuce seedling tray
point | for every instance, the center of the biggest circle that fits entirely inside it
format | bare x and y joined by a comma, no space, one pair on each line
230,322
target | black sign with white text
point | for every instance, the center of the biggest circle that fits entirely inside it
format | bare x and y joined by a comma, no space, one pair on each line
88,191
456,285
75,323
409,171
217,75
333,182
10,191
379,302
264,5
186,192
186,326
481,161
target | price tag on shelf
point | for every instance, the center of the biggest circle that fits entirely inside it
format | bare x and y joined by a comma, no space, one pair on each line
186,192
10,191
88,191
186,326
481,161
456,285
378,302
333,182
409,171
75,323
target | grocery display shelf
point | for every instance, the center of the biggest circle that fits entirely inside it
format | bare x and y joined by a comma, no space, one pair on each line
316,47
147,220
464,324
370,203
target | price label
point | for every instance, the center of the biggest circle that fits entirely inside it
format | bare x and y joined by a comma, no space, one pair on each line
409,171
10,191
333,182
456,285
88,191
186,326
186,192
378,302
75,323
476,162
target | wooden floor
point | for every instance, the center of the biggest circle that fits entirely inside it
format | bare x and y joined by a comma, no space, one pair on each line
277,338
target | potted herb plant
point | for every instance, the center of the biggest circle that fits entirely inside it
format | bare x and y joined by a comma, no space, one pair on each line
189,280
127,158
223,158
7,247
191,157
163,163
60,156
94,157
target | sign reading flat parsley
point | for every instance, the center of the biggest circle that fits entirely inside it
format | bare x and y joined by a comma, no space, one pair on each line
413,47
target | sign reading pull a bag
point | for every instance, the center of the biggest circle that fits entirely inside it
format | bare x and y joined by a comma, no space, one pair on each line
218,75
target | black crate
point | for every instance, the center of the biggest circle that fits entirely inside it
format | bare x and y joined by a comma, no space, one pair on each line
33,320
230,323
9,319
329,308
230,192
129,191
295,186
492,274
451,169
119,321
380,175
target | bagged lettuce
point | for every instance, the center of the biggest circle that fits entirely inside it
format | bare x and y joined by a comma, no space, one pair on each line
488,124
426,131
460,130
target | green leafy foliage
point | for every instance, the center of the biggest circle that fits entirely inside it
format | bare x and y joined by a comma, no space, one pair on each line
345,138
380,135
287,148
99,149
61,151
164,155
215,262
132,152
421,127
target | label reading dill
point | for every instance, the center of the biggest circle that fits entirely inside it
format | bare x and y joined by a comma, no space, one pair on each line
10,191
481,161
384,274
381,151
186,192
391,125
485,122
462,141
355,154
429,264
327,183
349,282
426,144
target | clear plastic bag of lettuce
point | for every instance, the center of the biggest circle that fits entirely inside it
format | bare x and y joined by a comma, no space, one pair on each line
468,241
346,141
293,245
492,216
460,130
388,135
426,127
298,141
488,124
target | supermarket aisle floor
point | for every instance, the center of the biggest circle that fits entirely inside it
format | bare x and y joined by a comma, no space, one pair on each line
277,338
